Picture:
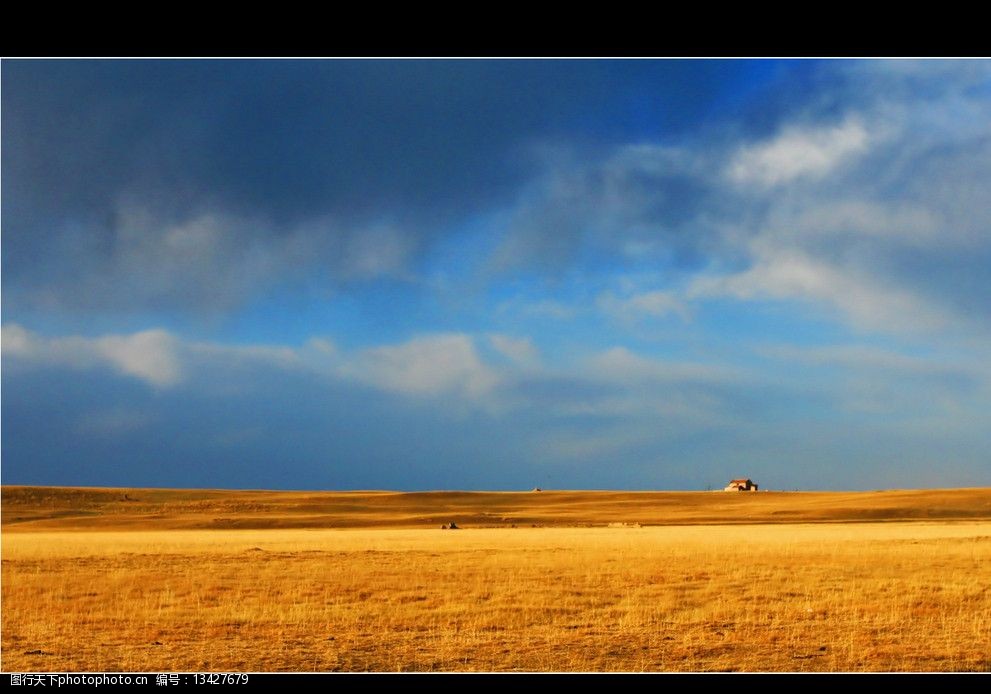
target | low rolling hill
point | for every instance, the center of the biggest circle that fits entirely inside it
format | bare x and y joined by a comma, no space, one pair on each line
49,508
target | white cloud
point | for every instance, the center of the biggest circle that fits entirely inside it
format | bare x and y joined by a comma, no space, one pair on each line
150,355
18,342
886,223
347,252
322,345
442,364
620,365
798,152
545,308
875,360
792,274
519,350
446,365
276,354
654,303
894,224
847,355
656,398
377,251
430,365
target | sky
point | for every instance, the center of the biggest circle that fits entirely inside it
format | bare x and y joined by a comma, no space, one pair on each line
485,274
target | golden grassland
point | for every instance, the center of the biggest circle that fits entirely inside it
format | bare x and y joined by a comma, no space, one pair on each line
159,580
101,508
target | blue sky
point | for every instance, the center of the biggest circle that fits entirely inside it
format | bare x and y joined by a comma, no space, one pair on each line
496,274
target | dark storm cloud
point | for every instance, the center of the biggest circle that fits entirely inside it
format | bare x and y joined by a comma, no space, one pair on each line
164,185
292,159
289,139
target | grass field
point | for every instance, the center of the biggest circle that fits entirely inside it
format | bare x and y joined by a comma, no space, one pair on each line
211,580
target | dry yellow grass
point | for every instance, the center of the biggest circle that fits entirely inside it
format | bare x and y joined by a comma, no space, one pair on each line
74,508
808,596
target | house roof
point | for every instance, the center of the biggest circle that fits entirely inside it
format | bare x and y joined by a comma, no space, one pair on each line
743,481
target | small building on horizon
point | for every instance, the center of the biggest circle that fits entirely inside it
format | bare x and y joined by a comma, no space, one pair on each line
741,486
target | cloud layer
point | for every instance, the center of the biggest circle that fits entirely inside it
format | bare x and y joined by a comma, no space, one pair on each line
586,415
489,273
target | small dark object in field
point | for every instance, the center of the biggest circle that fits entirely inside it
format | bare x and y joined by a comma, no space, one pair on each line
454,526
443,527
